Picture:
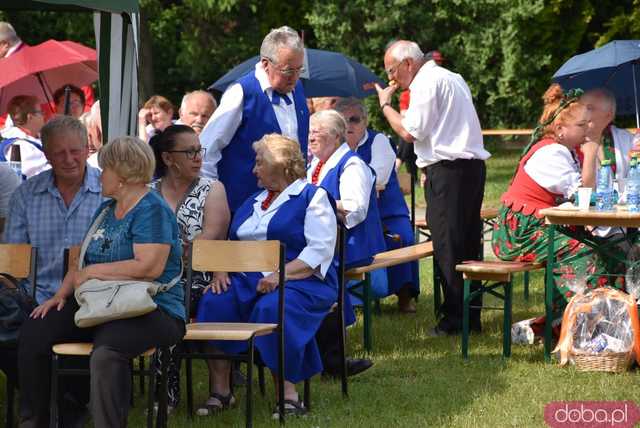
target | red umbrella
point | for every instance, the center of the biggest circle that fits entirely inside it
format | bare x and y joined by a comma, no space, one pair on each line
40,70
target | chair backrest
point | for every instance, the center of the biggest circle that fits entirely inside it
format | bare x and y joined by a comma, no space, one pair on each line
235,256
19,261
71,256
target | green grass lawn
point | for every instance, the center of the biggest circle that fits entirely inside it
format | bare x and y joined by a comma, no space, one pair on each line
422,381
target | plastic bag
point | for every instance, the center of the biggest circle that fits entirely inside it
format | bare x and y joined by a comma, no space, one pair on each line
603,320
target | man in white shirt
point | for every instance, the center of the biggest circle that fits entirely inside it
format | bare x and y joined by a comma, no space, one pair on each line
268,99
196,109
443,126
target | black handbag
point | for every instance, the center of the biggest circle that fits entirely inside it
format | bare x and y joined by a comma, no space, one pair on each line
15,308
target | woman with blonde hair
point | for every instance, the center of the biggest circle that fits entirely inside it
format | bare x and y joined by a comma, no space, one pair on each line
302,217
135,238
548,173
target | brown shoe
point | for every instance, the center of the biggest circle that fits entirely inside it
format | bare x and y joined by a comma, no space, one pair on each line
406,303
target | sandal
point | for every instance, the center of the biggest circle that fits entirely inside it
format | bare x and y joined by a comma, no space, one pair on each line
215,404
291,408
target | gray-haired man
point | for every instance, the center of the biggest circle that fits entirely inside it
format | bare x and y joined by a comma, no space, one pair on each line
268,99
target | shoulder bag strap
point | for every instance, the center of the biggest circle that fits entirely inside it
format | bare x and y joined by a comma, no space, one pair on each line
87,238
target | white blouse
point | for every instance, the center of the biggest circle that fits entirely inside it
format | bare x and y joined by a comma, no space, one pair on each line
555,168
320,226
224,122
383,158
356,182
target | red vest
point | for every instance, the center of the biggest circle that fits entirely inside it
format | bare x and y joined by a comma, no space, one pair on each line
524,194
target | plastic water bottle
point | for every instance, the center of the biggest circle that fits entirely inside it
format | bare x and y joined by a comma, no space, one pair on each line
604,187
633,186
15,161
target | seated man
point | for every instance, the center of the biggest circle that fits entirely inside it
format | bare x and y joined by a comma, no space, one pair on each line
196,109
27,118
53,210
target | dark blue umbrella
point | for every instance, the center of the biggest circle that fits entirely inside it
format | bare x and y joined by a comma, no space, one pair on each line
615,66
326,74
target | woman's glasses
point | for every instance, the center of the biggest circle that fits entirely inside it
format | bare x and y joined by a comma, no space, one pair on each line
354,119
191,153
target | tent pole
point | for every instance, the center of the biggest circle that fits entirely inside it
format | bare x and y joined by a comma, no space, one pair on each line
635,93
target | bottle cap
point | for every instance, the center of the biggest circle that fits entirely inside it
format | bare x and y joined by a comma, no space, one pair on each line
605,162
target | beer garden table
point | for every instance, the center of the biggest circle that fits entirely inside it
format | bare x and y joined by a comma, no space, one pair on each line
557,219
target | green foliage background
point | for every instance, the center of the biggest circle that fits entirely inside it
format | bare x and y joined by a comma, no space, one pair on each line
507,50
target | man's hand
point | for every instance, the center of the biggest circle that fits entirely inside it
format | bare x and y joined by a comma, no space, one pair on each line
268,283
54,302
384,95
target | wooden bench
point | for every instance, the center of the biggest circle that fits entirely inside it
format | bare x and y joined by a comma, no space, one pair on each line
492,274
383,260
488,216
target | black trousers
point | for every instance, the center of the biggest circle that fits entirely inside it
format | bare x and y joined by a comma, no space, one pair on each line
115,343
454,192
329,343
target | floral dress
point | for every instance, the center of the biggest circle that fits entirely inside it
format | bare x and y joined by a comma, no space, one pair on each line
519,236
190,215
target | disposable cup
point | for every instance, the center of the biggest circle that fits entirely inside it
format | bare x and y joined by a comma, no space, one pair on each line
584,198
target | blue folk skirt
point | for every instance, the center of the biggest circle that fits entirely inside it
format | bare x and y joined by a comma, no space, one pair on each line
307,302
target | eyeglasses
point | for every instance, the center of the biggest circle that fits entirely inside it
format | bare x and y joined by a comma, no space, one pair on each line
192,153
354,119
40,112
286,71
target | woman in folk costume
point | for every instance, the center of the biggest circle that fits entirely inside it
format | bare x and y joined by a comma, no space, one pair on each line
303,218
376,150
549,171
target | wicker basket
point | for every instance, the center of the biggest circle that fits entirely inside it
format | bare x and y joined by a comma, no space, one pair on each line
615,362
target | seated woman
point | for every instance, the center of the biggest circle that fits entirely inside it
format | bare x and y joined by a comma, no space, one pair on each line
201,208
136,240
348,179
154,116
302,217
376,150
548,172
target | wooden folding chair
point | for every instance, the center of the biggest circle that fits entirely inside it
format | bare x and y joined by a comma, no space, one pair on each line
19,261
237,256
61,350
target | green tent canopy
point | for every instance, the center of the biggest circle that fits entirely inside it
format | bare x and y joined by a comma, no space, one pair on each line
116,24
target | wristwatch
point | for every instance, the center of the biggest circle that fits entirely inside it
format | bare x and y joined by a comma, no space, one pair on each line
384,105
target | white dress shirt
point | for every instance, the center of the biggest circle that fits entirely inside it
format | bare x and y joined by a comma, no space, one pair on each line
383,158
441,117
33,159
224,122
556,169
355,184
320,226
622,143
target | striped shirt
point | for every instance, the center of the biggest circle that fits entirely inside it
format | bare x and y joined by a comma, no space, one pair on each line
39,216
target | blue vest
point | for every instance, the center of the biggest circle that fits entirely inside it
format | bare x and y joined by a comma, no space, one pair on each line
286,225
9,141
391,201
366,239
235,168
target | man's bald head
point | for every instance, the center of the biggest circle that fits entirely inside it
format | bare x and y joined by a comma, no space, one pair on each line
196,109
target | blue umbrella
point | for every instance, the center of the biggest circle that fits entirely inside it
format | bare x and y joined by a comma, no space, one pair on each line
326,74
615,66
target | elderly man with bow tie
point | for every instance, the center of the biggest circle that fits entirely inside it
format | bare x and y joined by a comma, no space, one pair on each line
268,99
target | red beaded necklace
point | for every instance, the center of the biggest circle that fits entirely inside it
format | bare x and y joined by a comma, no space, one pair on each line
316,172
